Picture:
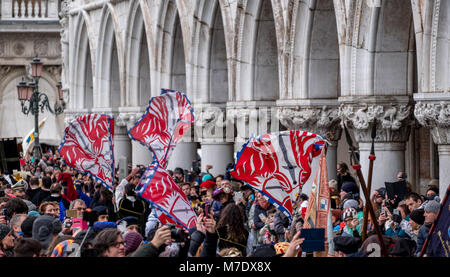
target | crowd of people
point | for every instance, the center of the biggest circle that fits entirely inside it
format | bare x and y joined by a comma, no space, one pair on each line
50,210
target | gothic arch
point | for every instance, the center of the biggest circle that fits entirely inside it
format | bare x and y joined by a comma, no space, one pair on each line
376,47
209,54
314,51
138,85
257,53
82,80
109,75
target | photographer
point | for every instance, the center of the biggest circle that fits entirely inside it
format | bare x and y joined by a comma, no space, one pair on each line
161,238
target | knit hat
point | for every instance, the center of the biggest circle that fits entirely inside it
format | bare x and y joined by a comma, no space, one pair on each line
33,213
349,187
4,231
417,216
208,184
44,227
281,247
382,192
99,226
132,241
432,206
27,225
351,203
207,177
346,244
349,212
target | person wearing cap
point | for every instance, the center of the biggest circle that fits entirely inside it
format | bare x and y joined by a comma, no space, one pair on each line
431,209
352,224
6,240
349,190
45,229
346,246
222,197
132,242
19,188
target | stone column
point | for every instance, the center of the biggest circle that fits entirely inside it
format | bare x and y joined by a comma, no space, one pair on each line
392,131
322,120
122,143
210,131
183,155
140,155
435,115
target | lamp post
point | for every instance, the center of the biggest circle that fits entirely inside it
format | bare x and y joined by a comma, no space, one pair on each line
32,100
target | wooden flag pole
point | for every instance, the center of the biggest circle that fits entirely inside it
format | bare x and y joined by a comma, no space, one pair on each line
372,158
354,159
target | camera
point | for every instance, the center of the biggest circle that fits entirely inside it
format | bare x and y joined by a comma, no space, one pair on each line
177,234
67,224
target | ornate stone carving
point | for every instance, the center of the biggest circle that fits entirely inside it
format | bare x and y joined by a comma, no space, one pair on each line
40,47
4,70
127,119
393,121
210,122
54,70
19,49
320,120
436,116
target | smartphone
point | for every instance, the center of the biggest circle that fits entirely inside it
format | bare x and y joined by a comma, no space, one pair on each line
262,217
72,213
207,210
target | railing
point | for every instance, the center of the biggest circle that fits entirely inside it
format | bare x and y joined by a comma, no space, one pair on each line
29,9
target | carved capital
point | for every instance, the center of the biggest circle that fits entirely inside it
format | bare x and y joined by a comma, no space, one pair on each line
435,116
393,121
322,120
127,119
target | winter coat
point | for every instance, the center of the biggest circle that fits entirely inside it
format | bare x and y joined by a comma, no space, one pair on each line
422,236
281,223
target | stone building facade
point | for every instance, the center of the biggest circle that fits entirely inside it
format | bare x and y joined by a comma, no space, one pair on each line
255,66
29,28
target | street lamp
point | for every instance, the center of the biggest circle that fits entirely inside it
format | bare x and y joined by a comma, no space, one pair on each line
32,100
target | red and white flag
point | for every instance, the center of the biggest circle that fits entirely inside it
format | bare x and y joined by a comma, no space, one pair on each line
166,119
278,165
159,188
88,147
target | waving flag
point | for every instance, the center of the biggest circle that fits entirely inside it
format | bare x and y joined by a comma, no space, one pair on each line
88,147
166,119
318,214
28,140
278,165
159,188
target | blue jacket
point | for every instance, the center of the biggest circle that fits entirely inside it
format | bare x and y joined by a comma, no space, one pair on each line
422,236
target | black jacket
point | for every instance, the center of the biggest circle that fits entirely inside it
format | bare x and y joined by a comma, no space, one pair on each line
57,199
